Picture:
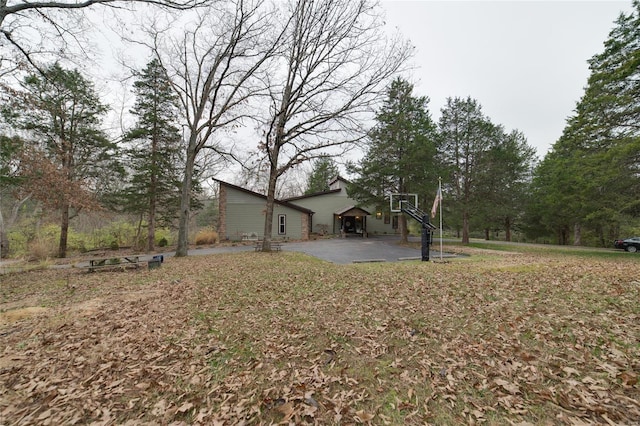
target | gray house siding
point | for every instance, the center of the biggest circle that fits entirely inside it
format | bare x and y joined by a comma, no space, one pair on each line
326,204
242,216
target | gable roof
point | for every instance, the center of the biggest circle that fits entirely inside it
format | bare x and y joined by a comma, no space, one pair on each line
316,194
258,195
337,178
352,211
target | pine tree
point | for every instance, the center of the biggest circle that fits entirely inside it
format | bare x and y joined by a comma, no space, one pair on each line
590,180
401,155
324,169
467,135
68,151
502,182
153,189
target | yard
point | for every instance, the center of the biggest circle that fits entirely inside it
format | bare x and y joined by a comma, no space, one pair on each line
500,337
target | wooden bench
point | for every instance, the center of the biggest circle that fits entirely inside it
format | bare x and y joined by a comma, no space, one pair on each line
275,245
114,262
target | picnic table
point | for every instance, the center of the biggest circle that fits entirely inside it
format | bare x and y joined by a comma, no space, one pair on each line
275,245
114,262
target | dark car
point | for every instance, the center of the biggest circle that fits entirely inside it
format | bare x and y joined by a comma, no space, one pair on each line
631,245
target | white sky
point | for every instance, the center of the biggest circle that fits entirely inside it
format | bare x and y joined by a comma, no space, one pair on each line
525,62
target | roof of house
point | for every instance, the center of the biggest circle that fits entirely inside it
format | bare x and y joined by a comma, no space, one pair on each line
285,203
316,194
353,211
338,177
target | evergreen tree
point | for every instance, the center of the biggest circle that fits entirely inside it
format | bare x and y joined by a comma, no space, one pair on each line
324,169
68,152
153,189
503,182
401,155
608,118
590,180
467,136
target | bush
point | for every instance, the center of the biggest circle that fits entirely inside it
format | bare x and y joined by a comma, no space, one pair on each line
42,248
206,236
163,237
18,243
123,233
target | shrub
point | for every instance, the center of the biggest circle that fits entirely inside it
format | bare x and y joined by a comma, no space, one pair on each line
163,237
123,233
206,236
42,248
18,243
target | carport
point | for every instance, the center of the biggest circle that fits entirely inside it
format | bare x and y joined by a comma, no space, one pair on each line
351,220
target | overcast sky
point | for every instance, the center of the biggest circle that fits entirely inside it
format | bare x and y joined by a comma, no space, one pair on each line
525,62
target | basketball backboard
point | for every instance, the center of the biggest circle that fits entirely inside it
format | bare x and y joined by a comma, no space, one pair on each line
395,201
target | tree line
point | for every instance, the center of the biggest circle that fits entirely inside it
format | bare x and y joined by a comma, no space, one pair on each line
586,190
308,76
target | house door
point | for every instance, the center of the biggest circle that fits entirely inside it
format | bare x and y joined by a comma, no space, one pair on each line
352,224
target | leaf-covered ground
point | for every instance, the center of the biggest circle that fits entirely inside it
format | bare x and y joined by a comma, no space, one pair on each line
258,338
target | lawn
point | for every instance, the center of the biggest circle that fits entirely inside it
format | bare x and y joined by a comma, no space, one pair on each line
499,337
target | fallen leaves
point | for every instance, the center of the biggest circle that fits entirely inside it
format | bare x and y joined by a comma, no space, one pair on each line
243,339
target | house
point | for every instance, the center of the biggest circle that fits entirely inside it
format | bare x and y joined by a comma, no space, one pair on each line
329,212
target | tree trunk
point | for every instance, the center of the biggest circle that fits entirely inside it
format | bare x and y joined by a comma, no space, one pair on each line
153,192
577,234
404,231
151,235
139,230
185,201
487,234
465,227
268,217
563,236
4,248
507,228
64,231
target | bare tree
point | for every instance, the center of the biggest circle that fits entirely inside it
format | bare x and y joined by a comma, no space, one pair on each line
213,69
333,69
29,28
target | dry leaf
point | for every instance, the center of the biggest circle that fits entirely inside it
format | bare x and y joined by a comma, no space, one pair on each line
629,378
363,417
286,410
185,407
512,388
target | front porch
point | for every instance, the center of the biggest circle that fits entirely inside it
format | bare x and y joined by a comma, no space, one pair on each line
351,221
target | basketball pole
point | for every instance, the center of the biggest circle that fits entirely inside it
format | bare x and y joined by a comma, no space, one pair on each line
440,192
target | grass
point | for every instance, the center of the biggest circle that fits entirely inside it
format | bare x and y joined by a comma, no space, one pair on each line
578,251
500,337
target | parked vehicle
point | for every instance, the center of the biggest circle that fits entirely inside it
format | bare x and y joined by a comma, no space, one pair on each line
631,245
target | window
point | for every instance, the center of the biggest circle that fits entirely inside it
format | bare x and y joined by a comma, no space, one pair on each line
394,225
282,224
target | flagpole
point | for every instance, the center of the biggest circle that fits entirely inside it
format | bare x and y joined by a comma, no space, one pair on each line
440,192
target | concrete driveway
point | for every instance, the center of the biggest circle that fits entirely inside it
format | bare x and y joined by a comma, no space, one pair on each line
344,250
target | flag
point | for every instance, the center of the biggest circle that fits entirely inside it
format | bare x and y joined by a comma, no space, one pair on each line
437,200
